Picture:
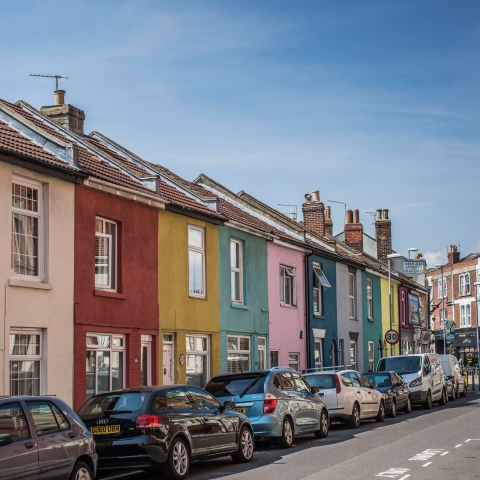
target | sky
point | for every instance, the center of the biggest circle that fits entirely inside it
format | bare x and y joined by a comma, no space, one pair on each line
374,103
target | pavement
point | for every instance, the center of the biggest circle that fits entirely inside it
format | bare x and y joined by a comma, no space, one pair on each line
442,443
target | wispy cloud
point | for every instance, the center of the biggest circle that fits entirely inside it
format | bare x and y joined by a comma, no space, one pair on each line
434,258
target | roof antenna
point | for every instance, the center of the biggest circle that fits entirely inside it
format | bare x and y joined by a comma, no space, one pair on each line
290,213
56,77
344,204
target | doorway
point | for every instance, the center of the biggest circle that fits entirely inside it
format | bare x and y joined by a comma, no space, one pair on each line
168,375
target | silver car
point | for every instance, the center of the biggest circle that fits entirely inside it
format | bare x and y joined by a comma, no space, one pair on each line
41,437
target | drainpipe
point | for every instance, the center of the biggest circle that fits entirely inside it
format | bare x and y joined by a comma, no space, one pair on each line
307,309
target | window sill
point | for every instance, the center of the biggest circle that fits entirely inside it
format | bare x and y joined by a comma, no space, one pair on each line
240,306
13,282
354,319
197,297
370,319
106,293
318,315
288,306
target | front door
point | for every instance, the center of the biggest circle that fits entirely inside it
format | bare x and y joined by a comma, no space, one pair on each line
168,364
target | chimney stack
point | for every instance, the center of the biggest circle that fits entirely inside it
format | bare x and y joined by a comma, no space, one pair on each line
453,255
64,114
328,221
314,213
383,235
354,230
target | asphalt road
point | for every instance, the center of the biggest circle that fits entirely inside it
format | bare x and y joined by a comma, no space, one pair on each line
443,443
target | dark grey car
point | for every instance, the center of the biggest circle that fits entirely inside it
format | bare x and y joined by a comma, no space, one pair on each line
43,438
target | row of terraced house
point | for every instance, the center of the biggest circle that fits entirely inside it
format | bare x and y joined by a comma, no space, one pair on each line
119,273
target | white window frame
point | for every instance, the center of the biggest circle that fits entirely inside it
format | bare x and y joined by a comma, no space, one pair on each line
319,341
294,361
353,365
146,341
241,352
442,292
28,358
192,248
99,348
351,296
464,281
113,263
38,215
291,273
262,352
371,355
465,315
278,358
238,270
369,298
206,353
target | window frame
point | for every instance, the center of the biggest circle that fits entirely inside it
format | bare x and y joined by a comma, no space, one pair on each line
238,270
195,352
369,299
318,341
294,362
442,289
293,286
351,296
26,182
238,351
464,284
353,366
317,287
262,351
112,255
277,352
371,358
465,315
201,250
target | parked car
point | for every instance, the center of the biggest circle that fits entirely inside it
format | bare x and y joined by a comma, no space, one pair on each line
279,402
452,370
424,375
349,396
391,384
165,428
42,437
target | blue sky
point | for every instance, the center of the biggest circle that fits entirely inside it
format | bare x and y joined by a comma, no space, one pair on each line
374,103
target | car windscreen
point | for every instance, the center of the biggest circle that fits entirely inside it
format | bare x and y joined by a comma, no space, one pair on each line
235,385
401,364
101,405
381,379
321,381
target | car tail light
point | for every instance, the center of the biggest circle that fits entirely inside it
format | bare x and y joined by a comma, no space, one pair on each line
337,383
148,421
269,403
453,381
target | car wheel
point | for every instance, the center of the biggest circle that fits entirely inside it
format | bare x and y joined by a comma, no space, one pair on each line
286,440
323,432
354,421
408,406
454,394
393,411
443,399
246,447
178,461
381,413
81,471
428,402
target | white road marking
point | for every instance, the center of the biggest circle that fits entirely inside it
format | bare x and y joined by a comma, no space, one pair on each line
459,445
444,453
426,454
403,478
426,464
394,473
470,439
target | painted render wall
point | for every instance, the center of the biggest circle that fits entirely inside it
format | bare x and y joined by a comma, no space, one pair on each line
28,306
372,327
350,329
386,315
251,317
327,321
179,313
286,322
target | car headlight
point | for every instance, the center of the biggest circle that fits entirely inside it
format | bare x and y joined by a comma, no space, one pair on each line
416,383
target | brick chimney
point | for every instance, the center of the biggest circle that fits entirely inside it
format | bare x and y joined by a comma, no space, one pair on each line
453,255
328,221
64,114
354,230
314,213
383,235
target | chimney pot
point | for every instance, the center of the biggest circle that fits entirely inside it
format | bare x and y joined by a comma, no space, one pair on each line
316,195
453,255
385,214
356,216
59,98
328,212
349,217
383,235
314,213
328,221
379,214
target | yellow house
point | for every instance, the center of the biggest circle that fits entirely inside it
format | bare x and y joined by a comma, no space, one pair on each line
387,348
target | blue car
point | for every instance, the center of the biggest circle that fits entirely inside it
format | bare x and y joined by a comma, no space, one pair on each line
279,403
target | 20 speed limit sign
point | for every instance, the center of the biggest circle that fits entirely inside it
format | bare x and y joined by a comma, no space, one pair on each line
391,337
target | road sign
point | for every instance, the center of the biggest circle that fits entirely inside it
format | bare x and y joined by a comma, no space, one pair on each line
391,337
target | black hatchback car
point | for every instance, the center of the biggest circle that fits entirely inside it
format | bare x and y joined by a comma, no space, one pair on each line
165,427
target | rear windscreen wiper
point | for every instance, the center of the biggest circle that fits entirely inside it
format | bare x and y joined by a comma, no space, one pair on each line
109,412
249,387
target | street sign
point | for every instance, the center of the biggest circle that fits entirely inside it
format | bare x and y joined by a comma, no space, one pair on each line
391,337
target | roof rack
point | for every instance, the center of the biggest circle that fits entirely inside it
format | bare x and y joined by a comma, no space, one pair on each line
327,369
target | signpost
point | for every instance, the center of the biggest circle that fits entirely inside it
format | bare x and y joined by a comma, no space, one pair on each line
391,337
413,267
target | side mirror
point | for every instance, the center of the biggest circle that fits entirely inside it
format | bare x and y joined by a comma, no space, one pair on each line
373,385
314,389
228,405
5,439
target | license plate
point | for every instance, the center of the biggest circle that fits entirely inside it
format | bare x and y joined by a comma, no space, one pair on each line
240,410
105,430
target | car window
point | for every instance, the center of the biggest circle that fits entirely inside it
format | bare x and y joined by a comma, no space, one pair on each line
160,402
301,384
235,384
43,417
277,381
426,366
381,379
346,380
60,417
13,422
321,381
118,402
288,383
363,381
354,379
203,400
177,399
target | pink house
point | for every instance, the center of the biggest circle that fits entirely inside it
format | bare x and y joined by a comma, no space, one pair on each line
286,304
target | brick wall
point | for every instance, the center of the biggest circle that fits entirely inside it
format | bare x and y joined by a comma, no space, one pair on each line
314,217
383,235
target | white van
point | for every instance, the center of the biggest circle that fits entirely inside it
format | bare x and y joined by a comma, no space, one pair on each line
452,370
422,373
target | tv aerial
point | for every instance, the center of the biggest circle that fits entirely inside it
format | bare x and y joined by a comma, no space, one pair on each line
56,77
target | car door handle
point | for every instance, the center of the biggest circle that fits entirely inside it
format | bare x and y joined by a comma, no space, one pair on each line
358,392
71,434
206,419
369,393
28,444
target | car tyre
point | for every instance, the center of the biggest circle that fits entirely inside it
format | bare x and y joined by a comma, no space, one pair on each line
454,394
443,399
408,406
323,432
428,402
246,447
286,440
178,462
81,471
354,421
393,411
381,413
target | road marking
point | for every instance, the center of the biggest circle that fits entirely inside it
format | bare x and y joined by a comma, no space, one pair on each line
426,454
394,473
426,464
403,478
459,445
470,439
444,453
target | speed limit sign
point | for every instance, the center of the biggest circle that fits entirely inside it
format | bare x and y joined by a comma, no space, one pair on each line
391,337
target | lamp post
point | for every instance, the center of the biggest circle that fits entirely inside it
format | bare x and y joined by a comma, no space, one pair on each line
389,257
413,249
477,284
443,310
